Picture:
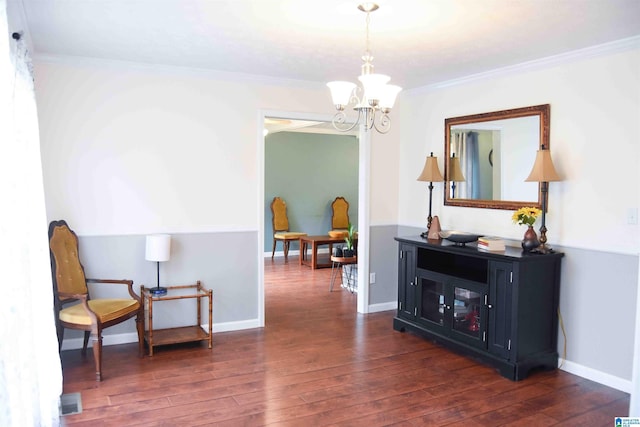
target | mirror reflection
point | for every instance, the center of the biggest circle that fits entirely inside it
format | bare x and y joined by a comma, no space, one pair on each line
490,156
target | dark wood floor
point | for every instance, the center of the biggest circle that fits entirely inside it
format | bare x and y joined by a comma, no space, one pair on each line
317,362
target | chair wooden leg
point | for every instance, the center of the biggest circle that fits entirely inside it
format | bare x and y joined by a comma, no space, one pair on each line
60,334
85,343
140,328
273,251
97,353
286,249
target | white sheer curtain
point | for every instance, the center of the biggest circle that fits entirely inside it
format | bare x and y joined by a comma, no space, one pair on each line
30,370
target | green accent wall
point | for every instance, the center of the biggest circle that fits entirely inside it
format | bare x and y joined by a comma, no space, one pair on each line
309,171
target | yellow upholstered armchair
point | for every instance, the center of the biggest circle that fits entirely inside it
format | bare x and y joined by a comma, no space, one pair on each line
88,315
340,215
280,223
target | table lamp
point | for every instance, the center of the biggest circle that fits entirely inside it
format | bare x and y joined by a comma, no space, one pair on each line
543,172
430,173
455,174
158,249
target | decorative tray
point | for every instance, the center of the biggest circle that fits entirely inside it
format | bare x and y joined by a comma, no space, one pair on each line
459,237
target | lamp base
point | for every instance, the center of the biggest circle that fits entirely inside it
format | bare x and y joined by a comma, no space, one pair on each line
158,291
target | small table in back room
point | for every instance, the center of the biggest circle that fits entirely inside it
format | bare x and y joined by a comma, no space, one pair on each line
315,242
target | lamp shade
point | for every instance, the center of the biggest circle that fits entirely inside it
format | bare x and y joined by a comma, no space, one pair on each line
341,92
158,247
543,170
431,172
388,96
374,85
455,171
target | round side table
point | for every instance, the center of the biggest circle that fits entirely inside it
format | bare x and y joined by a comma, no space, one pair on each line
337,263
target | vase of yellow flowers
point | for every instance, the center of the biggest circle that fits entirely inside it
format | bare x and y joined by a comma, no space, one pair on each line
527,216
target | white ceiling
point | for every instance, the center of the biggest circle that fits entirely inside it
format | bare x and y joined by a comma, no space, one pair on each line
416,42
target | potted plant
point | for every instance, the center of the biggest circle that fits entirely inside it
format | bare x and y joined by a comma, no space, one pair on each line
349,251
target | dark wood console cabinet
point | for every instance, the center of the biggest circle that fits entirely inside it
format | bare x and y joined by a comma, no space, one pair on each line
500,307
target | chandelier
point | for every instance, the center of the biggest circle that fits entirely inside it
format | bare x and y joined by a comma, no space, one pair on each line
373,101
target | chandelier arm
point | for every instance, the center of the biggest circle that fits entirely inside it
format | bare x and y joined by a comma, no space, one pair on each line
354,98
370,115
384,124
339,122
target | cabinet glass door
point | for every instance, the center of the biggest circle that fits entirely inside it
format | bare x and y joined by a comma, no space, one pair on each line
432,301
466,311
469,313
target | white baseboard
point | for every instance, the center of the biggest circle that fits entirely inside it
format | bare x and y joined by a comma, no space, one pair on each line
385,306
280,254
235,326
115,339
597,376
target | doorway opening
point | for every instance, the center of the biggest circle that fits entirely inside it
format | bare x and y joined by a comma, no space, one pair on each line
304,165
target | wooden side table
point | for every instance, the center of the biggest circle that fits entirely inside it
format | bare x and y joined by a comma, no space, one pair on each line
181,334
315,242
337,264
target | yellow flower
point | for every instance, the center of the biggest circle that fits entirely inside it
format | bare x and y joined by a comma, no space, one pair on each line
526,215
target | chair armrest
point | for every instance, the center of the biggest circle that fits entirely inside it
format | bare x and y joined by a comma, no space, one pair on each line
83,300
129,283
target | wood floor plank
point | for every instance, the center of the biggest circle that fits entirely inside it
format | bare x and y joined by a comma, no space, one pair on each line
317,362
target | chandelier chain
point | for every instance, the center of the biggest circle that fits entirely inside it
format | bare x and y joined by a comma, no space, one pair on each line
368,20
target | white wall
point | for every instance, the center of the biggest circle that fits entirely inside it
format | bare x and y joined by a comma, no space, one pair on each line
595,134
131,150
385,151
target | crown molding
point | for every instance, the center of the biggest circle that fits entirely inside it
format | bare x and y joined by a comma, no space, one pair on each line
172,70
549,61
589,52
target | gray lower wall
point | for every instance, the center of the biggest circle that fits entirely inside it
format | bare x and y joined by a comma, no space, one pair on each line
598,306
224,262
383,262
597,294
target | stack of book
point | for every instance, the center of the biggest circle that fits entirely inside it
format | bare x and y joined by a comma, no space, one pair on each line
490,243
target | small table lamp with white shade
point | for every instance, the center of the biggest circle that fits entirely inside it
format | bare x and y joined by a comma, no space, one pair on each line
158,249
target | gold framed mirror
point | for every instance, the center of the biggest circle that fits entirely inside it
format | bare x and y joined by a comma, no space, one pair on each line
489,156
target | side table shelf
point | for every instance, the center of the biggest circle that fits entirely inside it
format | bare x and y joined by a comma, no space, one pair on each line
156,337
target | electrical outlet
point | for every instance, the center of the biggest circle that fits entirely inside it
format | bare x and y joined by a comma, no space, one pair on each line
632,216
372,278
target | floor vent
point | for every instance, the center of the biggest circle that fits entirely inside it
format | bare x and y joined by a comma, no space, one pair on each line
70,404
